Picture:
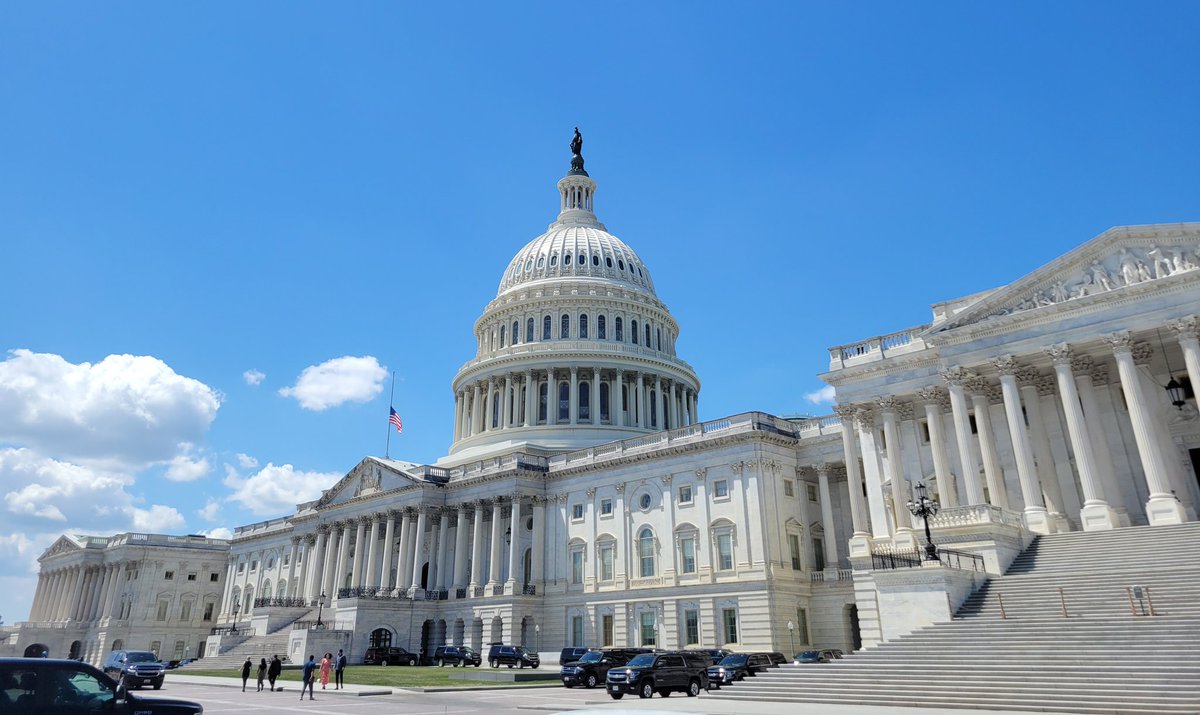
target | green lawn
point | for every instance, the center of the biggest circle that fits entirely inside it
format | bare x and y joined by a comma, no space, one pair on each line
392,676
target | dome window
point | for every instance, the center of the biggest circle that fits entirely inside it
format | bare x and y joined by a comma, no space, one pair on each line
595,260
566,260
621,264
554,260
633,331
600,327
541,261
583,326
639,269
529,330
529,265
546,323
582,259
617,334
608,261
516,331
565,328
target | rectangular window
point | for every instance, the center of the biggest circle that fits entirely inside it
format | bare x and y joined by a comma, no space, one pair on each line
208,612
794,547
155,646
691,622
924,431
725,551
169,576
185,611
687,553
605,507
254,565
685,494
812,492
162,610
606,562
287,558
577,631
788,489
729,622
191,577
818,554
577,511
721,489
802,625
647,627
179,646
606,630
214,577
577,567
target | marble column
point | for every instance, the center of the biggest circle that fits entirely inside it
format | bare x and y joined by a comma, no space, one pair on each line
616,399
1031,397
901,494
343,559
497,539
573,397
639,419
506,405
1037,517
419,549
476,410
1096,514
1162,507
828,525
514,546
864,419
405,546
956,378
442,583
477,574
850,450
1087,376
539,521
933,398
993,473
530,399
360,553
385,566
594,407
371,556
1187,332
114,583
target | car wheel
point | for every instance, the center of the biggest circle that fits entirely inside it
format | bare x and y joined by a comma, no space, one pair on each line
494,663
665,692
693,687
412,661
158,684
647,690
441,663
383,662
617,696
591,680
510,666
520,665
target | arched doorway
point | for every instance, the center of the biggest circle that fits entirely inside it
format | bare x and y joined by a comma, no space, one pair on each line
497,634
37,650
380,638
427,645
118,644
425,576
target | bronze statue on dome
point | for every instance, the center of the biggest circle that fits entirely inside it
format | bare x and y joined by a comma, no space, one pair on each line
577,155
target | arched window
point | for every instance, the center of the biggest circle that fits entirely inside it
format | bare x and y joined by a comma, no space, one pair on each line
600,327
585,401
529,330
583,333
653,408
502,333
495,410
595,260
380,638
646,552
608,261
618,336
647,335
542,390
564,401
516,331
582,258
564,328
554,260
604,417
633,331
658,338
546,323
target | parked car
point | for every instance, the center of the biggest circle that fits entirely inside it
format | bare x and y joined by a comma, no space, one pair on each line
456,655
662,673
777,658
510,655
716,654
593,667
811,656
135,668
570,655
738,666
390,655
35,685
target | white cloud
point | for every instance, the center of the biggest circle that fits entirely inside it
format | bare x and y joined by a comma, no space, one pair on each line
210,510
184,469
253,377
246,461
824,396
157,519
38,490
276,490
122,413
220,532
337,381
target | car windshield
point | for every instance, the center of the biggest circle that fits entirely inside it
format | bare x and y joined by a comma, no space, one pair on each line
466,651
591,656
733,660
642,661
808,654
141,658
521,650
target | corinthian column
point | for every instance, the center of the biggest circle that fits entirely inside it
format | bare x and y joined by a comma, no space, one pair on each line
1187,331
827,522
933,398
514,545
460,549
858,511
992,471
956,378
1032,387
1037,518
895,469
477,574
864,418
497,536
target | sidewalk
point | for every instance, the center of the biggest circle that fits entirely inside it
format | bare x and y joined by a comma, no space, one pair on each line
350,690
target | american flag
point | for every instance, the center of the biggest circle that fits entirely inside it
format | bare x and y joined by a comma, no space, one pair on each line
395,420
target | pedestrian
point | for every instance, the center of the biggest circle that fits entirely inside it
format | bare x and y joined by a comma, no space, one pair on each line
339,670
310,670
245,673
262,673
326,664
274,670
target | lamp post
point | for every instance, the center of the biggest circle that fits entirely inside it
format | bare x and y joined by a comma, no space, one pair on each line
236,607
792,637
537,631
320,608
923,507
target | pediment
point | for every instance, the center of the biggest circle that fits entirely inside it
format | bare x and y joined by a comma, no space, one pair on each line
62,545
1118,261
370,476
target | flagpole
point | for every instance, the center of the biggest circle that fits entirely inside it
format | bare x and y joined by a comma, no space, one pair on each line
391,406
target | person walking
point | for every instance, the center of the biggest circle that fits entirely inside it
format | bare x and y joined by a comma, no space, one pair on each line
310,671
339,671
245,673
326,665
274,670
262,673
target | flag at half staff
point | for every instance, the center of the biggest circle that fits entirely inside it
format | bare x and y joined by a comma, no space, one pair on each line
394,419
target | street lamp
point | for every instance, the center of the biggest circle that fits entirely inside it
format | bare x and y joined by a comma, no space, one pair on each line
320,607
236,607
792,637
537,631
923,507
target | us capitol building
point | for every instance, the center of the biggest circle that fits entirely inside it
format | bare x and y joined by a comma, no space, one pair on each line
584,502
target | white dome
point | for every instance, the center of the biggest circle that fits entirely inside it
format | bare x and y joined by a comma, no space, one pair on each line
577,251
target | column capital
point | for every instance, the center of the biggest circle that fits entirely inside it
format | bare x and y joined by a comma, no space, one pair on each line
955,375
666,480
1059,354
1186,328
702,472
888,404
1121,342
845,412
823,469
1027,376
933,395
865,417
1006,364
978,385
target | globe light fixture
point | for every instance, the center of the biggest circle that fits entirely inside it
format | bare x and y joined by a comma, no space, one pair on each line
923,507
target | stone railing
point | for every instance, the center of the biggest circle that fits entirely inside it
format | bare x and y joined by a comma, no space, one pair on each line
877,348
830,576
974,514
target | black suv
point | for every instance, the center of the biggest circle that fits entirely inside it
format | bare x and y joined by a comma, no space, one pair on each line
570,655
593,667
135,668
511,655
456,655
42,685
716,654
737,666
662,673
389,656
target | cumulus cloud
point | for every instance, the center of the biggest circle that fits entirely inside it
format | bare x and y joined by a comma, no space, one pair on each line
124,412
824,396
253,377
220,532
246,461
158,519
210,510
276,490
184,469
337,381
39,489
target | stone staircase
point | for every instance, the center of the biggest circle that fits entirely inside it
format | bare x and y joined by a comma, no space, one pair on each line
1100,658
254,647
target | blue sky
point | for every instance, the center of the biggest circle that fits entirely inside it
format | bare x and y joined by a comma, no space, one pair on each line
190,193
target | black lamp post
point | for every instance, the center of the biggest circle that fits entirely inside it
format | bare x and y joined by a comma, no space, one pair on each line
320,608
923,507
792,637
236,607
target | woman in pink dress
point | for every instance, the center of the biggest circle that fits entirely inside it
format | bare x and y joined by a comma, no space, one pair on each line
326,664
